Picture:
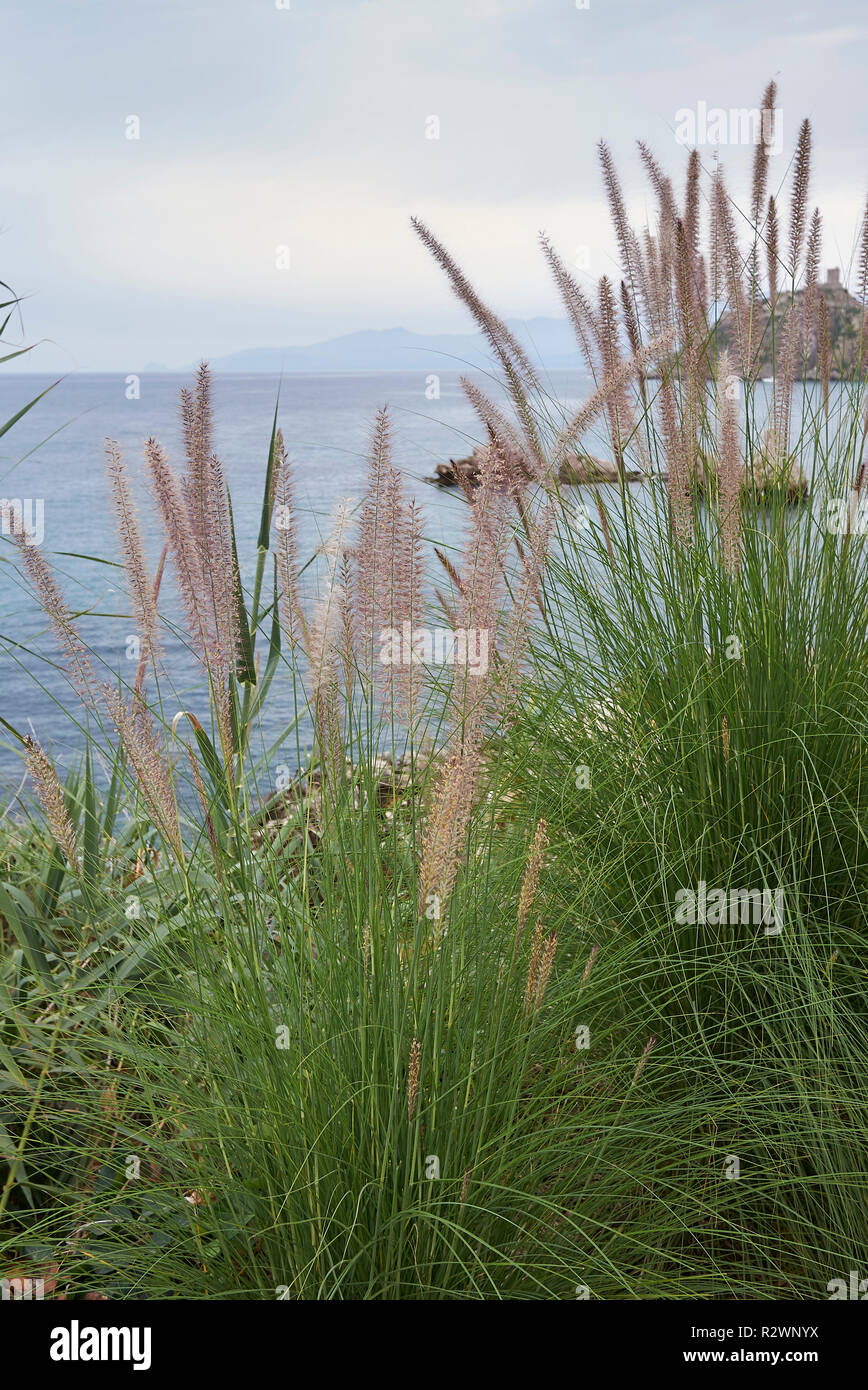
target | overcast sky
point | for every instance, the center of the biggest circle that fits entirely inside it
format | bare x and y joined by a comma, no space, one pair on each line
306,127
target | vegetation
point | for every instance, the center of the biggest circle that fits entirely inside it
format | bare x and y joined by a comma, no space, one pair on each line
428,1022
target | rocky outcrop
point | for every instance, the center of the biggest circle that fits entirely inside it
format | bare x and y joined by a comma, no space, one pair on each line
576,470
765,483
583,469
457,473
845,327
793,487
297,808
773,475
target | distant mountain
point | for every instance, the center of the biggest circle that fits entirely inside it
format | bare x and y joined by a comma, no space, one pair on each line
549,341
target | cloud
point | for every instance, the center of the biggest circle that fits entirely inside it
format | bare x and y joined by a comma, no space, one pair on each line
308,127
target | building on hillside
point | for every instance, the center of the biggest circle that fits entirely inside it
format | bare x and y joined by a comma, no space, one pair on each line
834,327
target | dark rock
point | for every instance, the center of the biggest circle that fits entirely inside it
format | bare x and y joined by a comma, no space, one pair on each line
457,473
577,469
581,469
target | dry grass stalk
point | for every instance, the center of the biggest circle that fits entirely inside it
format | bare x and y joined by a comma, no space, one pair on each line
182,544
799,204
545,968
813,252
662,187
597,334
634,335
481,589
642,1060
537,948
449,568
51,599
293,620
409,579
542,954
327,719
623,232
793,339
691,315
347,634
183,513
690,228
655,284
141,669
372,588
680,467
862,275
759,181
197,428
691,203
772,252
761,155
530,881
50,794
732,272
445,835
389,578
622,422
208,525
197,521
139,739
327,622
133,551
134,727
579,309
523,445
589,965
413,1078
730,466
520,375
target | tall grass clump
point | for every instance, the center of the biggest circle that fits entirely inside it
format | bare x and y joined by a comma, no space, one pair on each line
294,1038
694,731
541,978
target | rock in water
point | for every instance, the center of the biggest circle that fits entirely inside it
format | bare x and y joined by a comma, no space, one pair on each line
579,469
576,469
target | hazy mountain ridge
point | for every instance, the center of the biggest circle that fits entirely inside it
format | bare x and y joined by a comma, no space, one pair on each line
550,342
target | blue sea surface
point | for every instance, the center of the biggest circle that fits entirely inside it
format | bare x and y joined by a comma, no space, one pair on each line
56,453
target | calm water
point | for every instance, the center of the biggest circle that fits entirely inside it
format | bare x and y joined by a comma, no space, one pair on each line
56,453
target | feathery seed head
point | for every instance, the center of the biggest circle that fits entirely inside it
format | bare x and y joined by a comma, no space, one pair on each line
50,794
413,1078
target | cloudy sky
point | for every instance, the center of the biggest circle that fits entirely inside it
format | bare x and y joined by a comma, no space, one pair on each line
305,124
